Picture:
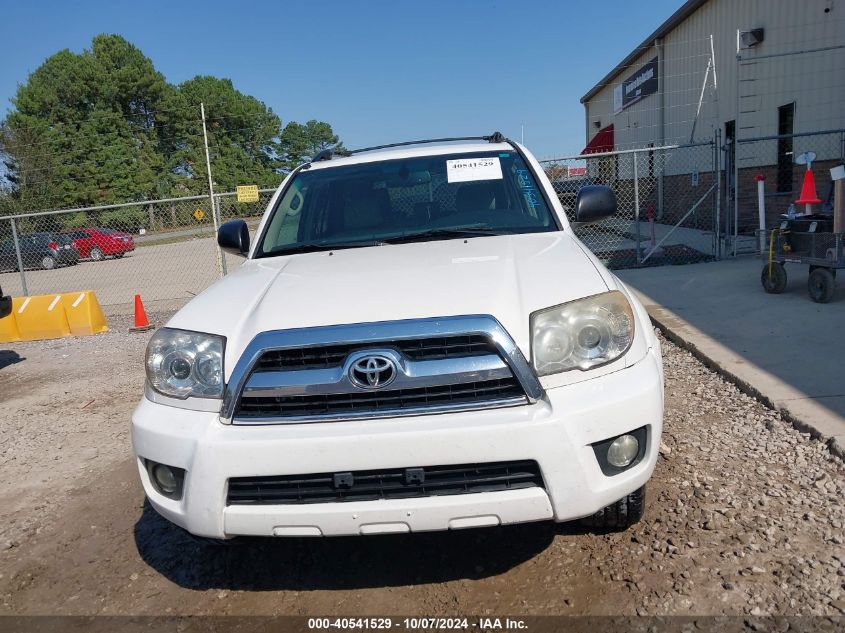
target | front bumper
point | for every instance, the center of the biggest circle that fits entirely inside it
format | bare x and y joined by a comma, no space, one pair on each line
557,432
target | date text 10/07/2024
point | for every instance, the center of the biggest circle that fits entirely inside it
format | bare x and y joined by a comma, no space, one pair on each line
417,623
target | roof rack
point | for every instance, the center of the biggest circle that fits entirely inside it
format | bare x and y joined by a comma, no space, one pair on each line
495,137
328,154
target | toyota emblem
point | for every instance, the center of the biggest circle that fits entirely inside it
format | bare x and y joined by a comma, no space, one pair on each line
372,372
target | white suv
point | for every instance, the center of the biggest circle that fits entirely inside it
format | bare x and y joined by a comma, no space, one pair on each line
416,341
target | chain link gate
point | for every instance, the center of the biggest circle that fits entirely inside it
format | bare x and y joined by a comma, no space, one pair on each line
668,203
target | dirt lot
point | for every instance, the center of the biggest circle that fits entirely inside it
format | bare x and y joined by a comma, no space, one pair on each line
745,516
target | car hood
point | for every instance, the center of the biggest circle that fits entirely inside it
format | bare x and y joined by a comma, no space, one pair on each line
507,277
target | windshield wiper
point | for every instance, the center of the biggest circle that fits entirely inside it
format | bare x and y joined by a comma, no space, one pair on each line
313,247
434,234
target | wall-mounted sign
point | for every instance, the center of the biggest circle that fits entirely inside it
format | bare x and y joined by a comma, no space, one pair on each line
639,85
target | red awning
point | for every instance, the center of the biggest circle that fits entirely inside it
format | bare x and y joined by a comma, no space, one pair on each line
601,142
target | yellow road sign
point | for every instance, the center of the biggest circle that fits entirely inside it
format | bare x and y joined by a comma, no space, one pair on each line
248,193
199,214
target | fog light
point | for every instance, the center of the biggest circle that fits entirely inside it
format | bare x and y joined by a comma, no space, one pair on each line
165,478
622,451
168,480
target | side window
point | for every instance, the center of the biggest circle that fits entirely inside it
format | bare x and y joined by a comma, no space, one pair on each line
284,227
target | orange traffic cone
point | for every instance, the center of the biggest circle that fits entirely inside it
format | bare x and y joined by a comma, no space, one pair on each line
808,190
142,324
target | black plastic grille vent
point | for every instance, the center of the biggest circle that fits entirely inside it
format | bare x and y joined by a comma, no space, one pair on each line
393,483
436,348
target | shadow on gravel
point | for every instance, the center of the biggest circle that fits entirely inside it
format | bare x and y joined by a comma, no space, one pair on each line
301,564
8,357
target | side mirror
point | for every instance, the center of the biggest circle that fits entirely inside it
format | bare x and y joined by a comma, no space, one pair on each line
594,203
233,237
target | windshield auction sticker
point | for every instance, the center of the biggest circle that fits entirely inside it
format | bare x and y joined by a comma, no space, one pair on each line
469,169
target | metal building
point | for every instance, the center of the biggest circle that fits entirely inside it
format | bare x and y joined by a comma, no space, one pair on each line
764,80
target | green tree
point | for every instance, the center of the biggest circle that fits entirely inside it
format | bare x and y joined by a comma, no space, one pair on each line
93,115
242,136
104,126
300,143
30,167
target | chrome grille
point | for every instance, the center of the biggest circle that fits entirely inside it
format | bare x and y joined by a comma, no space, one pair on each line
424,366
436,348
481,394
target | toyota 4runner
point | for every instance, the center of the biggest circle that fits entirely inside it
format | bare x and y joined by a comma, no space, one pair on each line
416,341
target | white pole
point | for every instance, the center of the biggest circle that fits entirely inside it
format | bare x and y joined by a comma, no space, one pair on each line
837,175
761,209
221,265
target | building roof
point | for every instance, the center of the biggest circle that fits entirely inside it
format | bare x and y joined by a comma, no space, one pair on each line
688,8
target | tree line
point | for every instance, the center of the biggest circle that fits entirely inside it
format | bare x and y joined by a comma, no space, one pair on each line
104,126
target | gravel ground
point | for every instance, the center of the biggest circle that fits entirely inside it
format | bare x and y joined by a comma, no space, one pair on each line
745,516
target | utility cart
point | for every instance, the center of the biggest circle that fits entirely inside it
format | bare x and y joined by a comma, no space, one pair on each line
822,252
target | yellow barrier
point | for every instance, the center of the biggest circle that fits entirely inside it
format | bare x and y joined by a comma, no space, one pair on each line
84,314
42,317
9,325
53,316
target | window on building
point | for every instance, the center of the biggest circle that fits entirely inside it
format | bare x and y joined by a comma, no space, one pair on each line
786,118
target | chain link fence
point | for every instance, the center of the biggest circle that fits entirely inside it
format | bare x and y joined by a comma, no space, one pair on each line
668,203
774,158
164,250
675,206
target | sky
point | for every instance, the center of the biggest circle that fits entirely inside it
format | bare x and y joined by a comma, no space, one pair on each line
379,71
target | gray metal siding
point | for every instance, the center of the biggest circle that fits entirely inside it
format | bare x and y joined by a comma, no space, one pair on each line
815,81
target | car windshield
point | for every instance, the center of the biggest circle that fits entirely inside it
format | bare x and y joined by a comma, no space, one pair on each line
414,199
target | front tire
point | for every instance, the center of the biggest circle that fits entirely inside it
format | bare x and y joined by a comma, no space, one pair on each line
96,254
48,262
773,278
620,515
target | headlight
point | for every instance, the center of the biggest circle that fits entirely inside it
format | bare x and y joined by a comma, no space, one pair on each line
182,364
581,334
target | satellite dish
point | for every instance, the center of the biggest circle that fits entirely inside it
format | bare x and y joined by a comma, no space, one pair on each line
806,158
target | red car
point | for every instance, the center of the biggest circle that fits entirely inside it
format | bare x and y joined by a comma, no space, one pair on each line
99,243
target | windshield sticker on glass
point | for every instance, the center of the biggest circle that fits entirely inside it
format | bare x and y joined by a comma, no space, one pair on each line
468,169
527,187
